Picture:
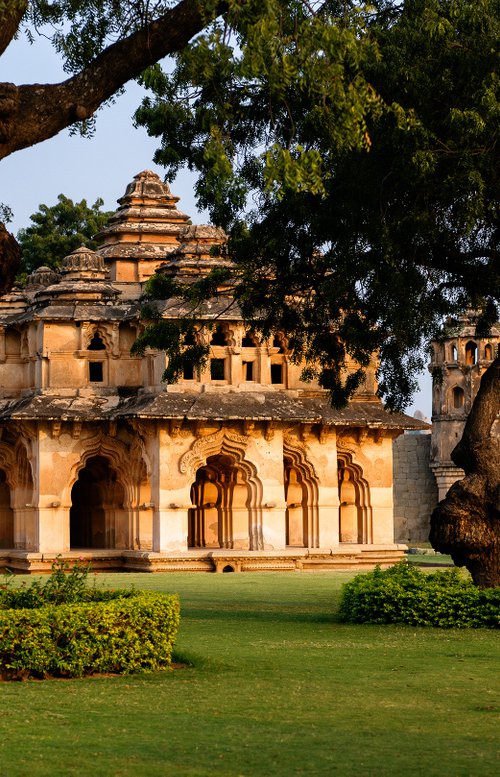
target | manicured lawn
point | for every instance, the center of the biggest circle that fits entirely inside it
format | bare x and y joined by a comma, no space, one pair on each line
277,688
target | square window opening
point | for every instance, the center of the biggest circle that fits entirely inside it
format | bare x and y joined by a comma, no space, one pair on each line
96,372
217,369
276,373
248,370
188,372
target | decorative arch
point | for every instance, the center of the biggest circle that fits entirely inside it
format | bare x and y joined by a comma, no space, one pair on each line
217,466
488,351
457,397
301,497
470,353
355,513
222,441
130,463
16,496
90,330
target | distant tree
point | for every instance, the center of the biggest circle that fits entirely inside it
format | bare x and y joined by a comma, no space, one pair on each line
57,230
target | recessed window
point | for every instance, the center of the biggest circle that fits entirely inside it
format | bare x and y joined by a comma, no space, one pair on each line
488,351
470,353
217,369
276,373
188,372
96,344
95,372
248,370
219,337
248,340
454,353
458,397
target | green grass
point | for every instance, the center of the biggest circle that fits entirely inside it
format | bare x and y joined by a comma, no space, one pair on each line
277,688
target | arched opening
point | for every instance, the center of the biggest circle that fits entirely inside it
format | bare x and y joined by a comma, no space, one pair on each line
249,340
6,514
97,516
219,336
454,352
458,397
220,516
470,353
296,507
354,512
488,351
96,343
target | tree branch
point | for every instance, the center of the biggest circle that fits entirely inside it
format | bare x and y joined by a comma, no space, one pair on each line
32,113
10,19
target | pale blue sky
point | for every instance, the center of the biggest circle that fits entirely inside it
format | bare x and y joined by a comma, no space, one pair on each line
99,167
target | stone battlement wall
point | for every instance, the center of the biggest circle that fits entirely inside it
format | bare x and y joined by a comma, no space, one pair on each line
415,489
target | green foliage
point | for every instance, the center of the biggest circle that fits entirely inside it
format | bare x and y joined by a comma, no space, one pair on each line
351,152
178,339
127,634
58,230
404,594
67,584
81,29
6,213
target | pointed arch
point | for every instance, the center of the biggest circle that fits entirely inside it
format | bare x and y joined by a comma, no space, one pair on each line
221,457
300,479
131,471
355,514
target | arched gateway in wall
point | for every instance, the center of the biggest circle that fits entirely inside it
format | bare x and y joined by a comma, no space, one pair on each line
98,516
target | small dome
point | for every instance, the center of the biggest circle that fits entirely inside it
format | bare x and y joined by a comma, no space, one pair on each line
43,276
83,264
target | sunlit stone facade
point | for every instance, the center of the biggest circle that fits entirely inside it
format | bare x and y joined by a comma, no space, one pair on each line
240,466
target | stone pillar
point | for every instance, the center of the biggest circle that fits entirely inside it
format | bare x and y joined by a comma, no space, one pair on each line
328,516
445,476
170,493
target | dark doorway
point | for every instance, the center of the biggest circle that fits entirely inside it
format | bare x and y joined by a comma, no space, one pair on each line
6,514
96,515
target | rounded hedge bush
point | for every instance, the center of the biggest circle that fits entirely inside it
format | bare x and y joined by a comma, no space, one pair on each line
127,633
404,594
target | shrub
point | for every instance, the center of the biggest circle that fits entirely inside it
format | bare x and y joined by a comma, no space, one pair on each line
126,634
65,585
404,594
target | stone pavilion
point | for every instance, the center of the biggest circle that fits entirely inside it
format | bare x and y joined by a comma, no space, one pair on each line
238,467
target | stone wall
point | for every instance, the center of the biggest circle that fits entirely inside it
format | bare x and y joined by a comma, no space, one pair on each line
415,489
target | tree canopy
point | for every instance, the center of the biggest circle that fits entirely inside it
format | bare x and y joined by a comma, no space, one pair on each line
55,231
352,154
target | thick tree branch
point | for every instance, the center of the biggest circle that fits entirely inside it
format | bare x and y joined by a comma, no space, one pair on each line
10,19
32,113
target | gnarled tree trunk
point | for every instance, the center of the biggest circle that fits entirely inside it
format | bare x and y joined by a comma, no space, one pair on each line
466,524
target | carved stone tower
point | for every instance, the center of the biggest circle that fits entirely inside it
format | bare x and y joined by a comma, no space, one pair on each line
457,365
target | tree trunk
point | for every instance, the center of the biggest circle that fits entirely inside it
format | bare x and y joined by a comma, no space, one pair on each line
466,524
10,259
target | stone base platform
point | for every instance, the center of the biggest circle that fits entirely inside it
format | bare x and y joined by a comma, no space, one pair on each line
346,556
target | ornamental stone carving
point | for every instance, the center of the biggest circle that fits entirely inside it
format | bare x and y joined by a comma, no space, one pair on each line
221,442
